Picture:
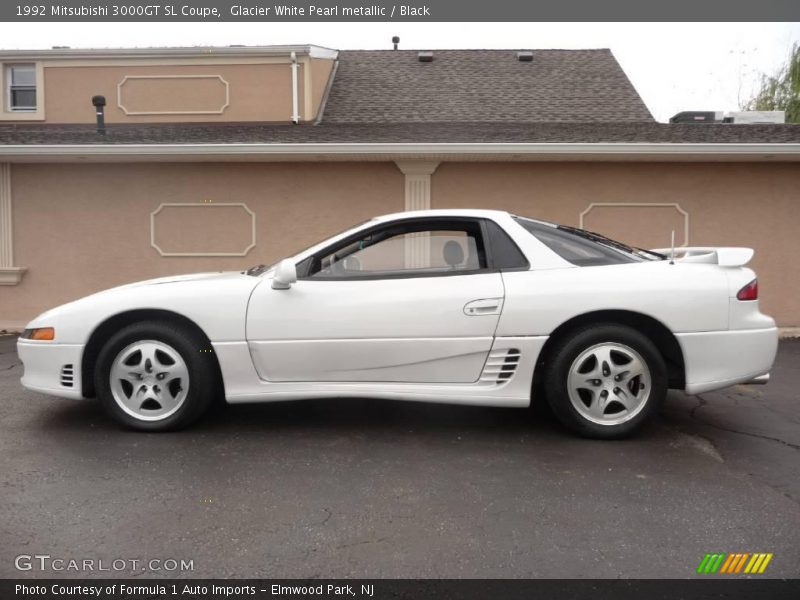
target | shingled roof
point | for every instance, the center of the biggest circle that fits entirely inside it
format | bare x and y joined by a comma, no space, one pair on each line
387,86
461,97
399,133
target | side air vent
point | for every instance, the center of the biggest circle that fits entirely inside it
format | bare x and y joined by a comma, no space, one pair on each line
501,366
67,376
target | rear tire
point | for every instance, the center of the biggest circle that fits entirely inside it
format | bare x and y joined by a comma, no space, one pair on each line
156,376
605,381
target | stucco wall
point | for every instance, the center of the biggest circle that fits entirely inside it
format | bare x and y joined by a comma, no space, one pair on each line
739,204
211,89
257,92
83,228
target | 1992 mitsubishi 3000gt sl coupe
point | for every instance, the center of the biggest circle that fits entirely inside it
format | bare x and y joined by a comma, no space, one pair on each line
457,306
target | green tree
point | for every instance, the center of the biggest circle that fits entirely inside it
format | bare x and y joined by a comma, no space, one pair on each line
780,91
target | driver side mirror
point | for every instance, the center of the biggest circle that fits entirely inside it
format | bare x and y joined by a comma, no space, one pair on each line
285,275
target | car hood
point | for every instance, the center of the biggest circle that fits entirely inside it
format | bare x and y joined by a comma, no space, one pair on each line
198,296
219,276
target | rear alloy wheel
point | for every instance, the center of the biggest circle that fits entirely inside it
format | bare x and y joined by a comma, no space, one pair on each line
154,376
605,381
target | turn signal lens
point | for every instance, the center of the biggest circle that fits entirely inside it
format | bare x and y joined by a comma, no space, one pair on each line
749,292
42,333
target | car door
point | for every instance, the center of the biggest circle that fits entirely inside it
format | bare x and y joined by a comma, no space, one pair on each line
408,301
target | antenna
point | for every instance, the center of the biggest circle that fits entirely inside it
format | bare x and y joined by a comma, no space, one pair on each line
672,249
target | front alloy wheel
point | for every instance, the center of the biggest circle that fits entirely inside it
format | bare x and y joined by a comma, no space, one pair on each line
149,380
157,376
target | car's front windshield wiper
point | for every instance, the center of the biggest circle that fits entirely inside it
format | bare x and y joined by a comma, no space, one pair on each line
256,270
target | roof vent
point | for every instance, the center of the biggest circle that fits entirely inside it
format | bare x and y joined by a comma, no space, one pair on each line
425,57
697,116
525,56
396,41
99,103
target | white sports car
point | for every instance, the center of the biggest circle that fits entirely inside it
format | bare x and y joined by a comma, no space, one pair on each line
460,306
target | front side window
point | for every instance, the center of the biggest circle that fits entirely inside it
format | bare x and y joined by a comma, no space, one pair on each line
584,248
404,251
21,84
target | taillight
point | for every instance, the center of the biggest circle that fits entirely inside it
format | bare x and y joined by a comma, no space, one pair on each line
749,292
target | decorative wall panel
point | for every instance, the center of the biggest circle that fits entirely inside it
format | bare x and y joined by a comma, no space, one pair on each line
203,229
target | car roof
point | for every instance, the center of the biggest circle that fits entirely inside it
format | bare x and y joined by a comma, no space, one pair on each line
439,212
455,212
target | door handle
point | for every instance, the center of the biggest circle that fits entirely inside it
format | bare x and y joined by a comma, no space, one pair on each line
484,306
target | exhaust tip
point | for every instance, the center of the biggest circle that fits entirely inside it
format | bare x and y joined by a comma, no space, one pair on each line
760,380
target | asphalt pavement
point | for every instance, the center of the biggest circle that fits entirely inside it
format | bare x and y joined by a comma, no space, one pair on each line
370,488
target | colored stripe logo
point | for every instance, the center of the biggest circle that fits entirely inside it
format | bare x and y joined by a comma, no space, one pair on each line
734,563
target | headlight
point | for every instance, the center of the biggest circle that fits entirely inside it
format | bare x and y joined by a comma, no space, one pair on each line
40,333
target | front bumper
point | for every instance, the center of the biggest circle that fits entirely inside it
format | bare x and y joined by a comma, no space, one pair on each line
719,359
51,368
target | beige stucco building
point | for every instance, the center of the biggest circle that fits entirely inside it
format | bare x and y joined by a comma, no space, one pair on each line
221,158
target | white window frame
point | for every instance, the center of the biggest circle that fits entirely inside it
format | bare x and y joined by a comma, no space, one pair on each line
8,85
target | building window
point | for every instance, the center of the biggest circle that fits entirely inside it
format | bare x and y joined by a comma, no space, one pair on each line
21,83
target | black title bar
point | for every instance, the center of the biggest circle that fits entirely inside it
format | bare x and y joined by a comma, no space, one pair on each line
384,589
412,11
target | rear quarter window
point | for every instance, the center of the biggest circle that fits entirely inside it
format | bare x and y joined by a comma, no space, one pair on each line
573,248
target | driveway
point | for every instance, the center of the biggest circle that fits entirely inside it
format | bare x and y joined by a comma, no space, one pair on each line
356,488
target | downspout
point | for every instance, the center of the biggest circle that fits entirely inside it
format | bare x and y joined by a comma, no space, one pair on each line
295,110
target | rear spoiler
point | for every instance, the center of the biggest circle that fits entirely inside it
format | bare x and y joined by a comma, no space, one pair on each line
724,257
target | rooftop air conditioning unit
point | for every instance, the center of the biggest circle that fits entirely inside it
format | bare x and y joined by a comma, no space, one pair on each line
756,117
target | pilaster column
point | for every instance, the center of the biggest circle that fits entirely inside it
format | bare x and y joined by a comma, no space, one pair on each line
9,274
417,197
418,182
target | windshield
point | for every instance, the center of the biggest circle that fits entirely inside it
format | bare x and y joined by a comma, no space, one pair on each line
585,248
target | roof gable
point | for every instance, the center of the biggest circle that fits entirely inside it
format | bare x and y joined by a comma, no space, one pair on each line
387,86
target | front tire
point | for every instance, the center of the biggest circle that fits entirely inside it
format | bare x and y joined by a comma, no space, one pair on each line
605,381
156,376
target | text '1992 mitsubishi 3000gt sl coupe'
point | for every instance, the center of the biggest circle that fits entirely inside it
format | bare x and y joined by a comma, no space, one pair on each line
456,306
